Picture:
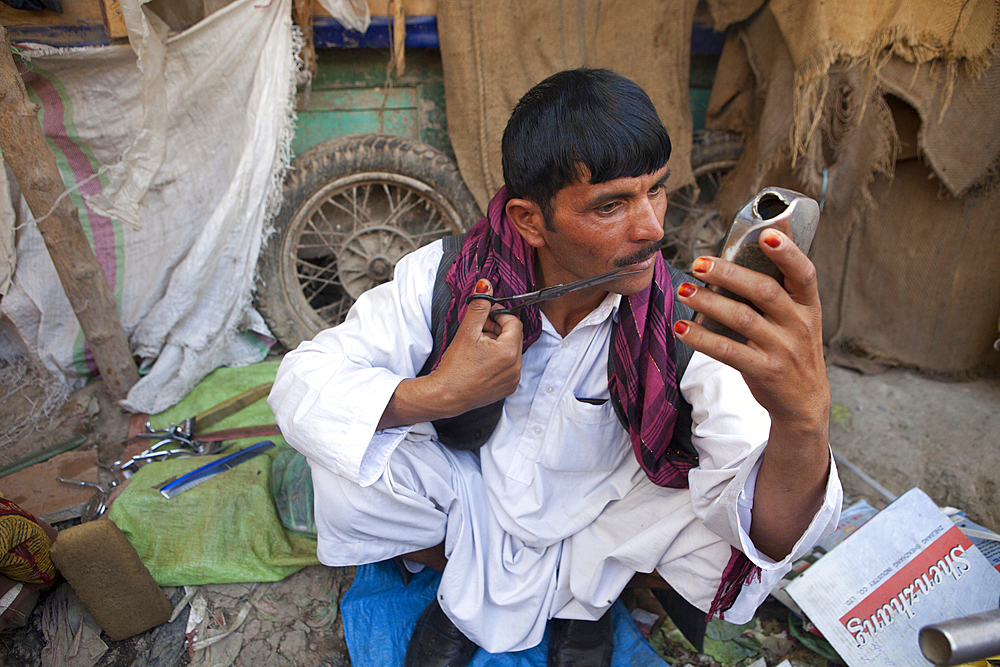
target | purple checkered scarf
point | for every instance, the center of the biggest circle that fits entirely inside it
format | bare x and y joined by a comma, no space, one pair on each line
643,382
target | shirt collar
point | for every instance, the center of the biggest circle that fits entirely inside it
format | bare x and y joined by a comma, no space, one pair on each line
607,308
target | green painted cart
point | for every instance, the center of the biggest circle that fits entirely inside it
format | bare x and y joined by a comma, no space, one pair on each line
376,177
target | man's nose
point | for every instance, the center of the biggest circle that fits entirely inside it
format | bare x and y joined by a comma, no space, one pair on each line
649,222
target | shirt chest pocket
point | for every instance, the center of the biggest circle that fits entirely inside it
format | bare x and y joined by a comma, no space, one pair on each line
583,437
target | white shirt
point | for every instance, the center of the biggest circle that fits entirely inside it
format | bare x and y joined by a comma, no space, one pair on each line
553,463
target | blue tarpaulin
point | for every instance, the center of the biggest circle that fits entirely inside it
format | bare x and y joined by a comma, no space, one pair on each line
379,613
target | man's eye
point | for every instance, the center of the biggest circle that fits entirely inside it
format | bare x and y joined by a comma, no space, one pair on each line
656,189
610,207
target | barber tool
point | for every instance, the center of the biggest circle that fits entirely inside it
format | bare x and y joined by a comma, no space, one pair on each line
97,505
217,413
210,442
548,293
189,439
175,487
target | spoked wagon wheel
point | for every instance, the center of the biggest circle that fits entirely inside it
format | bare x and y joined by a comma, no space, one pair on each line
353,207
693,226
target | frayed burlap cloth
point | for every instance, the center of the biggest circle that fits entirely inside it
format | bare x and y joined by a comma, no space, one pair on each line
954,33
892,120
929,52
493,52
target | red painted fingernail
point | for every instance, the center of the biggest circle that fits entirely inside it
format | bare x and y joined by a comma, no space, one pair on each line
680,328
773,239
483,286
702,265
686,290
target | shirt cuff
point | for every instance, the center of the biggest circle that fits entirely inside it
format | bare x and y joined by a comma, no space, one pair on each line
376,456
823,523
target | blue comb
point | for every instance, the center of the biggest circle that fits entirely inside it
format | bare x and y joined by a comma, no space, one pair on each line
172,488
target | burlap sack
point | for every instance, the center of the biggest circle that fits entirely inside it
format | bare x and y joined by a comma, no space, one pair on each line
725,13
959,136
954,33
917,283
905,250
493,52
754,94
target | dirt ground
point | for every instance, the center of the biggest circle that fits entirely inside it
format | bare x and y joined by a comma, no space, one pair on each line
905,430
899,428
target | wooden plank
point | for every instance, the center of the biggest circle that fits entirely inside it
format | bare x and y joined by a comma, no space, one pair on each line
114,22
317,127
399,36
302,13
370,100
91,14
410,7
37,490
30,157
80,24
75,13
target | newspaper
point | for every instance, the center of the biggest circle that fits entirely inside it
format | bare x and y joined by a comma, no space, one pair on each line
985,540
904,568
851,518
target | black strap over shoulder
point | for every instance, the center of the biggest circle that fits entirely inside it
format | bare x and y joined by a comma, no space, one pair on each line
473,428
682,352
682,356
441,300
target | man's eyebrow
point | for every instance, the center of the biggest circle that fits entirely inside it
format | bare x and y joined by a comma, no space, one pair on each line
607,197
602,199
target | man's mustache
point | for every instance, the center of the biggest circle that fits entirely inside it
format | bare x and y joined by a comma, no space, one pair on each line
641,254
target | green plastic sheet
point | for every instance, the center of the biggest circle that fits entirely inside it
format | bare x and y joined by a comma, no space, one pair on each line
227,529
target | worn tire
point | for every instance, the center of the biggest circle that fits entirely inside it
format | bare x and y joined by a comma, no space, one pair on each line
693,226
353,206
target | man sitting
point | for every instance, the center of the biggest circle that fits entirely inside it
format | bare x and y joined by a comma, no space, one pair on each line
601,463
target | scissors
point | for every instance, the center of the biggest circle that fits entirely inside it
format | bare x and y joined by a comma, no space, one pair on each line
547,293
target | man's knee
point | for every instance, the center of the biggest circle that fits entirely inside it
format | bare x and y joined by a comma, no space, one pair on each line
382,512
342,505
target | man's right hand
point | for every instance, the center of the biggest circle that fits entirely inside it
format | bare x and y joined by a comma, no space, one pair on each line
481,366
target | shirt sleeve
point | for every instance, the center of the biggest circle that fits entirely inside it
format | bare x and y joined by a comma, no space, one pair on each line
330,392
730,433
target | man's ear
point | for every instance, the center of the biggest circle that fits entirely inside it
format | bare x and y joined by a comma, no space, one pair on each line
528,219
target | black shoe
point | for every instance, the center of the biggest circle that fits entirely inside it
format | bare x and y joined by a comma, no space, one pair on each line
581,643
689,619
436,642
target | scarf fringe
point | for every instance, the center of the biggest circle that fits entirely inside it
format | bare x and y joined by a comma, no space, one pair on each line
738,573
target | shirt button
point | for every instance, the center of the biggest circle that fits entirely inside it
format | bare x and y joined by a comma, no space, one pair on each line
537,430
564,344
549,389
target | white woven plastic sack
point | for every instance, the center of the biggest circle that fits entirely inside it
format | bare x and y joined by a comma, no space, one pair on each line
353,14
173,150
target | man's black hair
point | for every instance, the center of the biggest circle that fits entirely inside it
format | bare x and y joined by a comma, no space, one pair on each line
590,117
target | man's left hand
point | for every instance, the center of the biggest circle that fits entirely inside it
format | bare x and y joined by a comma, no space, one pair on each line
782,360
782,363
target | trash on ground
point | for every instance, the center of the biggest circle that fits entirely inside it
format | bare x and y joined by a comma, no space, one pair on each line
906,567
